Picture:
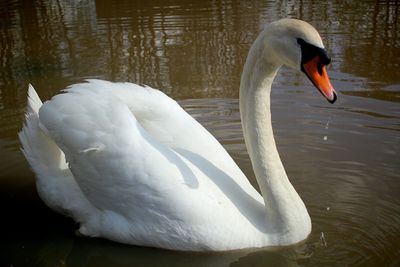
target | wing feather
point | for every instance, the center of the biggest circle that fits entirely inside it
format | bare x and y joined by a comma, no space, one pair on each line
116,162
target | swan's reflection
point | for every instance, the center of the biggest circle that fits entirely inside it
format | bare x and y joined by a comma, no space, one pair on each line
97,252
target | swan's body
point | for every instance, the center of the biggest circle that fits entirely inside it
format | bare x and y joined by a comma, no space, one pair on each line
130,165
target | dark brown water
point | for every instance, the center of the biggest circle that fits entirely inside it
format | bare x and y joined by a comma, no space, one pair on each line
343,159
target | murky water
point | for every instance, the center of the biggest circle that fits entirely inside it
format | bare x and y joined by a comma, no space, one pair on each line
343,159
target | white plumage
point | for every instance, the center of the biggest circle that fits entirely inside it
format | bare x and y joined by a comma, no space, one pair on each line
130,165
142,166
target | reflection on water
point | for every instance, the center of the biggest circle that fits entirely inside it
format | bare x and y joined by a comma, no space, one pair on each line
343,159
99,253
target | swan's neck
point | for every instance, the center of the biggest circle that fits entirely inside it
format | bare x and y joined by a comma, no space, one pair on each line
285,211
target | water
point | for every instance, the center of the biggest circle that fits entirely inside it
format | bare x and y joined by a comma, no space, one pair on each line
343,159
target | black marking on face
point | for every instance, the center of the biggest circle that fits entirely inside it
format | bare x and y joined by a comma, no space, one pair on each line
309,51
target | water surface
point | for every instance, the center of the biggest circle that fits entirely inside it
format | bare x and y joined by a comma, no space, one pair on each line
343,159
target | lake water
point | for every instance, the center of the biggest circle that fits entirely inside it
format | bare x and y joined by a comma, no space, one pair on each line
343,159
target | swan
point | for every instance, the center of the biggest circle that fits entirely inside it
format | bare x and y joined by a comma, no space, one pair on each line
128,164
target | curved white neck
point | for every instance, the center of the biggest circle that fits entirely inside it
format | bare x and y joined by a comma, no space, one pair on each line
285,211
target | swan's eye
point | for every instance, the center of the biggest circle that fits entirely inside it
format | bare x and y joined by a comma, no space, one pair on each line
300,41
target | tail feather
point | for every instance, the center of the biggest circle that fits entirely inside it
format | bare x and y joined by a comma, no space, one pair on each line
34,102
41,152
55,182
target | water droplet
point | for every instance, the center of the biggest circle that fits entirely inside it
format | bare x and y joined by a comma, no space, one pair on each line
323,240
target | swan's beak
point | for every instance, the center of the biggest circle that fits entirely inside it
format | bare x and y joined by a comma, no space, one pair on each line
316,72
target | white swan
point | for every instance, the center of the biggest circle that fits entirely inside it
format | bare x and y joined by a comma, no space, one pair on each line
130,165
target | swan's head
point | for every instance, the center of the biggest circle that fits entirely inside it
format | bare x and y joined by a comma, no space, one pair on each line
297,44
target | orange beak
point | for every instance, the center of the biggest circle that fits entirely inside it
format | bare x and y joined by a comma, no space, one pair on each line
316,72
